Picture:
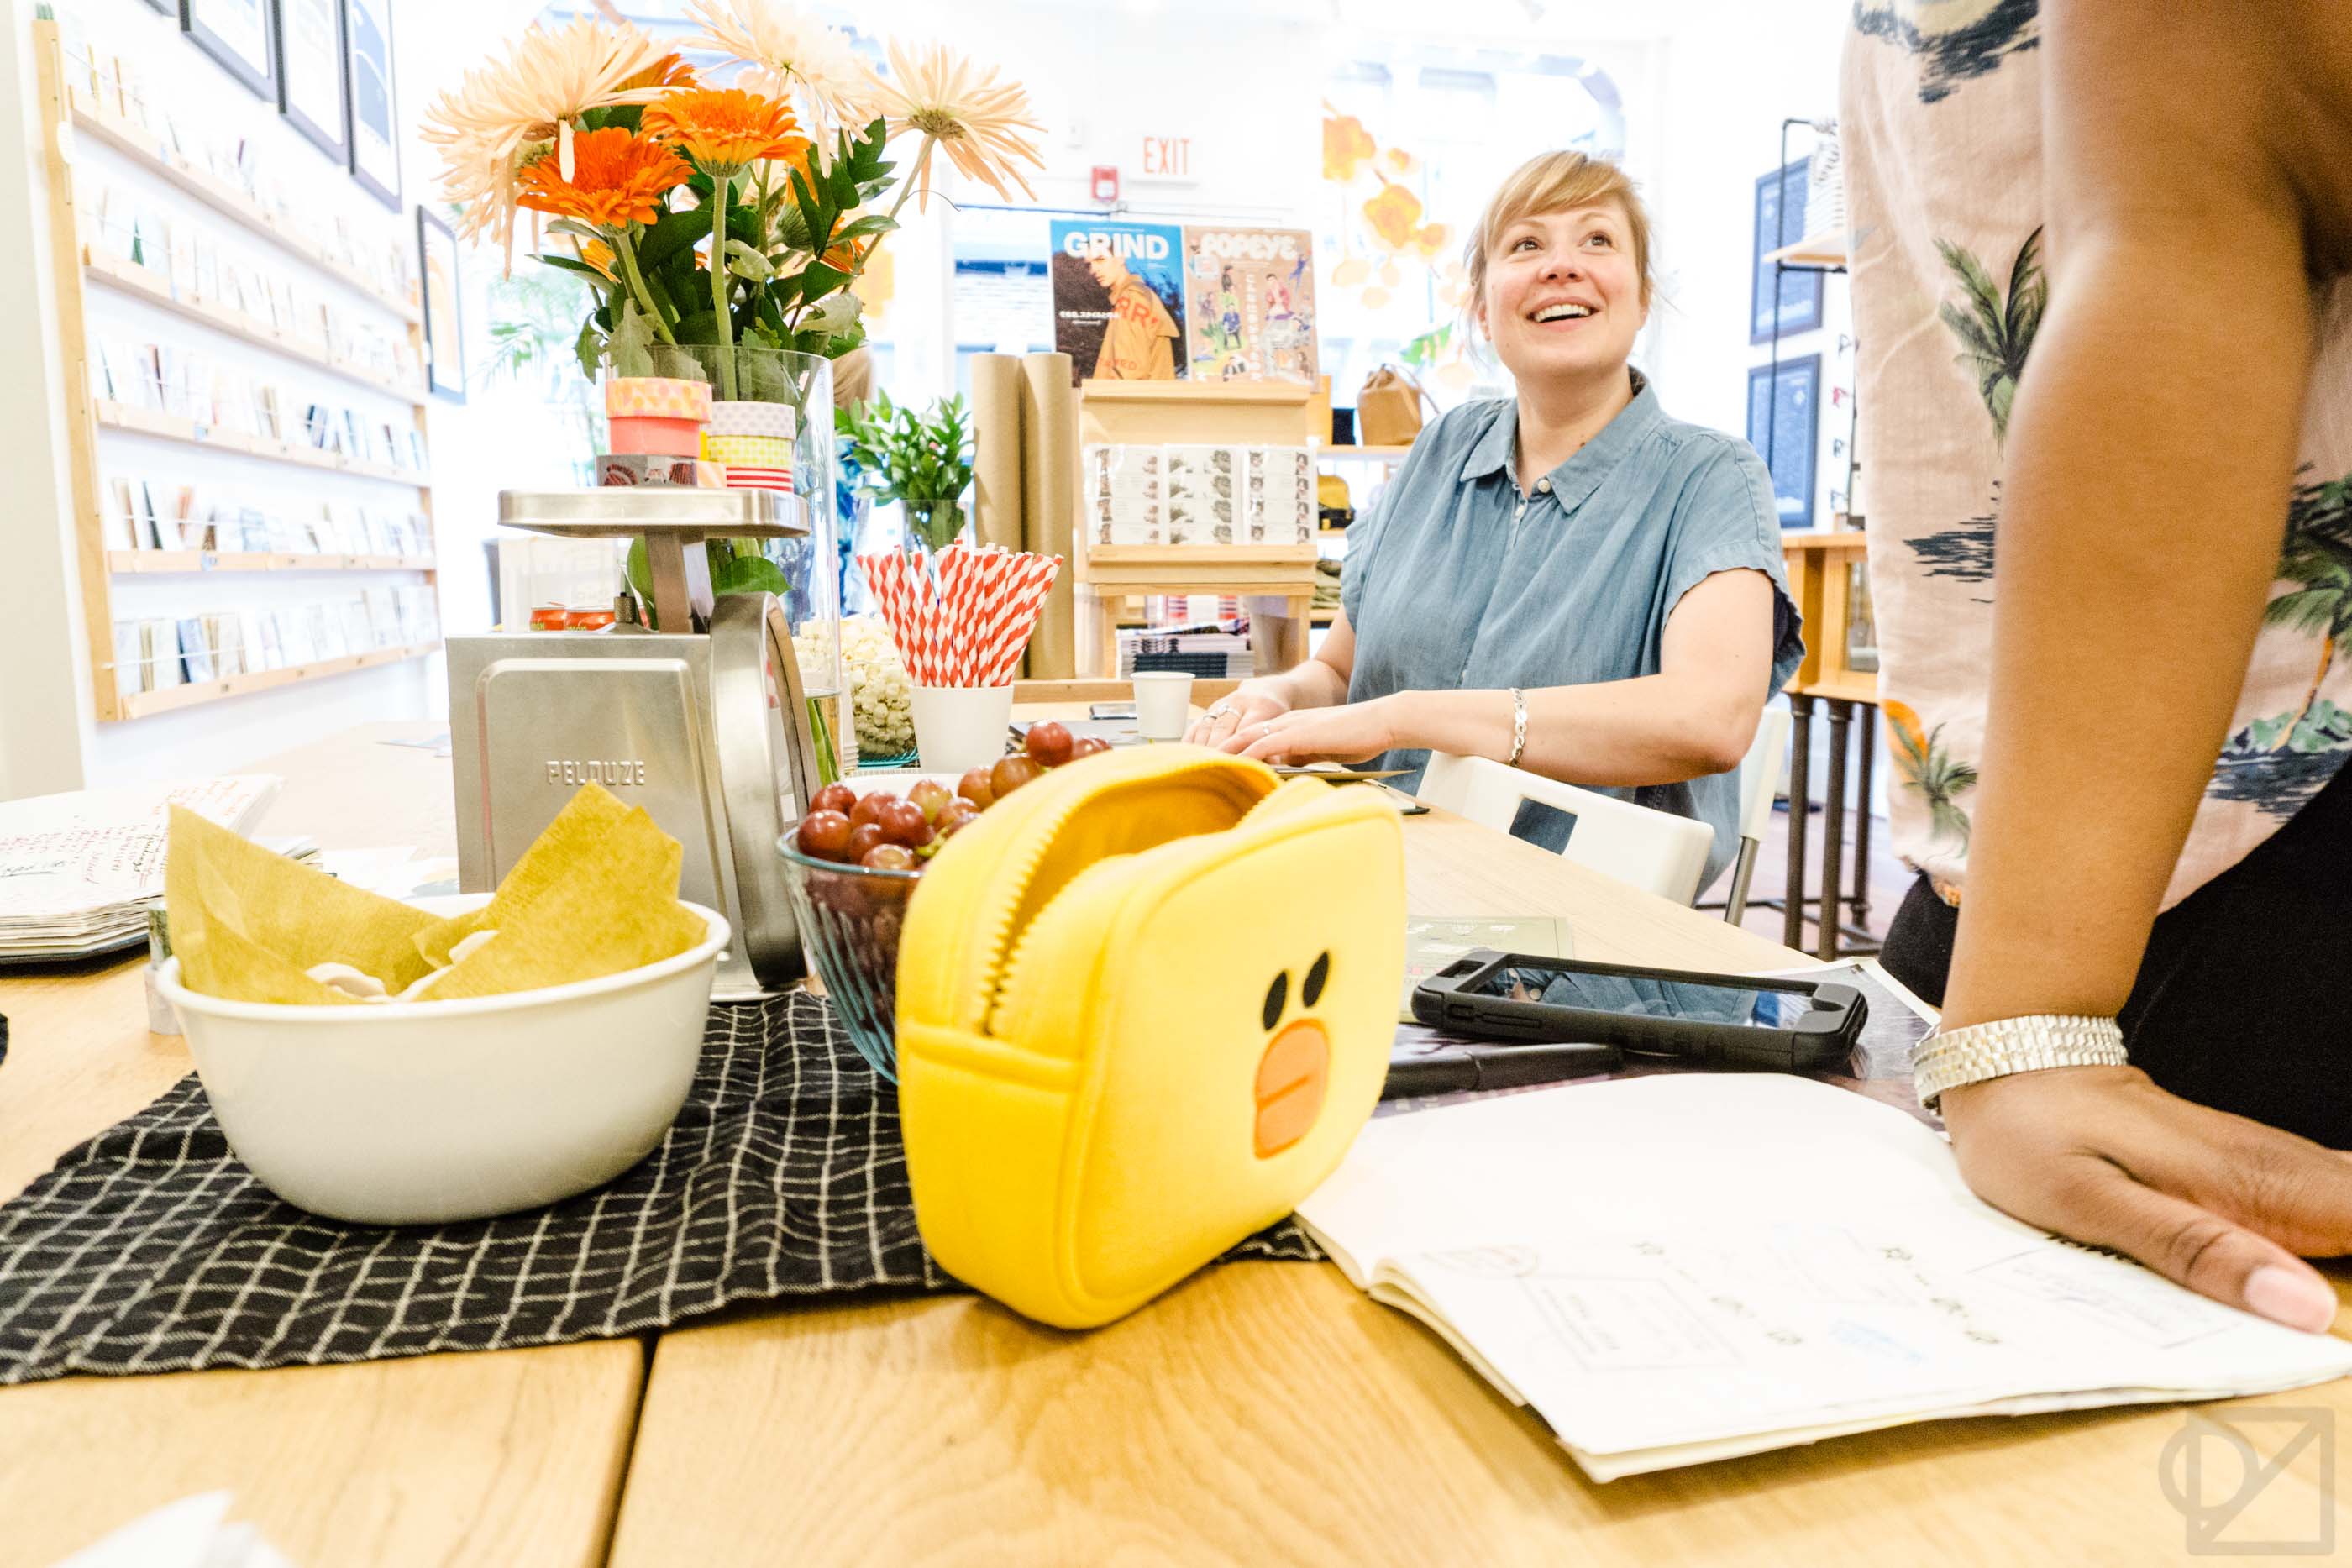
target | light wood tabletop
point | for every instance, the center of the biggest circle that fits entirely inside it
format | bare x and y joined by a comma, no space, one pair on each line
1261,1413
509,1457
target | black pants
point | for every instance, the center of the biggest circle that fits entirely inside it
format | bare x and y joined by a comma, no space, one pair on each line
2245,996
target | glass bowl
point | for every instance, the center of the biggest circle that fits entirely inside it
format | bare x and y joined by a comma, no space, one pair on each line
850,918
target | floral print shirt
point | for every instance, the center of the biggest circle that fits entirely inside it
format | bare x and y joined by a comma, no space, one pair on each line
1941,137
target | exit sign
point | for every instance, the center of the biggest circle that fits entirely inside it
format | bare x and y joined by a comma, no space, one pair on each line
1167,158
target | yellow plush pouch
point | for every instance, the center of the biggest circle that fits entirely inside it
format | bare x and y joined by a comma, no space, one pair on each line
1145,1003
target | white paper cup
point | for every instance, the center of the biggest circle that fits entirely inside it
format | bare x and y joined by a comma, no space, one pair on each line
1163,702
958,728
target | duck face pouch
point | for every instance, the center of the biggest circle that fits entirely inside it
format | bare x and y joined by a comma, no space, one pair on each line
1145,1003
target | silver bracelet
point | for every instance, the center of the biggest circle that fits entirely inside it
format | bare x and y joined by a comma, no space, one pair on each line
1952,1059
1518,728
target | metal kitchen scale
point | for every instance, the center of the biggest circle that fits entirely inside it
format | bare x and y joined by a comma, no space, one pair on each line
706,728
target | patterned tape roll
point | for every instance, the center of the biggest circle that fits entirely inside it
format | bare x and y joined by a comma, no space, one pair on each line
758,451
656,397
752,419
740,477
631,468
637,435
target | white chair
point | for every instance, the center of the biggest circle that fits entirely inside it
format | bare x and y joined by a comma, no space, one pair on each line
1656,852
1759,781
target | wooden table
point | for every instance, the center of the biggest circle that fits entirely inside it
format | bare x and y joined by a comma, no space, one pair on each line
1259,1414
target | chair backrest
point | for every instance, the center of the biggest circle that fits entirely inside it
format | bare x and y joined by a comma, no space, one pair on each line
1759,772
1656,852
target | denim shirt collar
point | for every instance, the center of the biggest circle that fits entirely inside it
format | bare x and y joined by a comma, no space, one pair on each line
1497,452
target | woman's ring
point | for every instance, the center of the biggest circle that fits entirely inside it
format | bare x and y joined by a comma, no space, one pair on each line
1219,711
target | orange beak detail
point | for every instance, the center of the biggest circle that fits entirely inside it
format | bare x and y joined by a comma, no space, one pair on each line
1292,1078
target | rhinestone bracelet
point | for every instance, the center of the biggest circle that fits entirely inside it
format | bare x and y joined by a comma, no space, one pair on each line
1952,1058
1518,728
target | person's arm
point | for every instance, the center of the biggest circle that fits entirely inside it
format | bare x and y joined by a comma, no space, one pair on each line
1694,718
2150,455
1320,681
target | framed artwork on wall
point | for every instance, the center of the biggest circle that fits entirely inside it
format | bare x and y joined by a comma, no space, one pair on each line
314,79
1784,426
445,346
240,33
1796,296
376,145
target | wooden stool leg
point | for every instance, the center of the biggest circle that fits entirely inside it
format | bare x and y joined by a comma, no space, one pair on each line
1834,832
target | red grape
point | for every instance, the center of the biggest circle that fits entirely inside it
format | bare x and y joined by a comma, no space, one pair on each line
870,807
825,834
1049,743
1086,746
888,857
1011,772
931,796
903,822
960,814
977,788
838,797
863,837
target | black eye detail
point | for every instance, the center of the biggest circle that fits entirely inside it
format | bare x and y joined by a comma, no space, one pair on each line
1312,991
1277,996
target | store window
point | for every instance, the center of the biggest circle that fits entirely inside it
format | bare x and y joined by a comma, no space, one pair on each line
1414,140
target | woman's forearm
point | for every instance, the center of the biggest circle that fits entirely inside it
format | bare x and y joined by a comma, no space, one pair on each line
1654,729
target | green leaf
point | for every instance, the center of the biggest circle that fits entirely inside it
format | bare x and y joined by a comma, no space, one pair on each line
631,344
871,224
817,280
566,264
834,312
669,237
574,227
641,577
749,574
702,327
748,264
589,347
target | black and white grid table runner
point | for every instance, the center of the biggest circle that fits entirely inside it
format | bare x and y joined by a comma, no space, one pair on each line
151,1248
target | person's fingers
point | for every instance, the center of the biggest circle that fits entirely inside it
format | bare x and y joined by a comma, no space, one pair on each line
2094,1199
2292,1190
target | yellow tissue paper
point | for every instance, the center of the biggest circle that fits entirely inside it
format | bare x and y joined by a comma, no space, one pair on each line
595,894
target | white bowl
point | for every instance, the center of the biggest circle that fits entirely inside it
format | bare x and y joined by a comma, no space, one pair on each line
425,1112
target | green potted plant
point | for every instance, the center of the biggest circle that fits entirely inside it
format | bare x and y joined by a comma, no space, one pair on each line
923,461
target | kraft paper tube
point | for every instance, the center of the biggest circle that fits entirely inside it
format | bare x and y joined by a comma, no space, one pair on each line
1049,504
996,449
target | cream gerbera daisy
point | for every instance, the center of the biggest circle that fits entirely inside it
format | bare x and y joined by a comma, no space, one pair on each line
961,109
506,109
791,56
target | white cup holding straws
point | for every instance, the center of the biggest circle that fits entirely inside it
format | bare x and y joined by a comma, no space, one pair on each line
958,728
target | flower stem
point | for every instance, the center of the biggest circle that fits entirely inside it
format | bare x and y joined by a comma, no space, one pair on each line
627,251
718,286
907,189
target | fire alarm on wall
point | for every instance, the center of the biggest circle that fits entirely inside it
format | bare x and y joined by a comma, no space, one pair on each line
1106,183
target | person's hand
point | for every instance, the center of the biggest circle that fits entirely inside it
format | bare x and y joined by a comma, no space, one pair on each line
1252,703
1351,732
2218,1203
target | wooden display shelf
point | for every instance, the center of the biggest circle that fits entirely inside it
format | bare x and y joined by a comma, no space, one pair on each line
153,287
174,562
140,704
1823,250
112,415
1249,393
1370,453
140,145
1189,555
1825,540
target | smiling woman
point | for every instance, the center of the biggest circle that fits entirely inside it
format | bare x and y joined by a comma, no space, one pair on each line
1570,580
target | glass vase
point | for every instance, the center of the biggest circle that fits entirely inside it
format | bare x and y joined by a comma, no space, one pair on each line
933,524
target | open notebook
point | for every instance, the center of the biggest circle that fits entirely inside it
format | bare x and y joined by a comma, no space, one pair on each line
1678,1268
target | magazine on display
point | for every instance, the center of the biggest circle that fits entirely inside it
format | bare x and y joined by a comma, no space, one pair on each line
1249,304
1118,299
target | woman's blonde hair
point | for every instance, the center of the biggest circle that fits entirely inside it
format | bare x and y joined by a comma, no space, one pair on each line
1557,183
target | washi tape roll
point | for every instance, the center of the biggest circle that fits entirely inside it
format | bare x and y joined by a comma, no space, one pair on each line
656,397
639,435
617,469
740,477
758,451
747,418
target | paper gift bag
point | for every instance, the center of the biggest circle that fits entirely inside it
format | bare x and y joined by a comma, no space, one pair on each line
1388,411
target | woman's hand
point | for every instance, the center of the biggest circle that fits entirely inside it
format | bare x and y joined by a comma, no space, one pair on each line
2218,1203
1349,732
1252,703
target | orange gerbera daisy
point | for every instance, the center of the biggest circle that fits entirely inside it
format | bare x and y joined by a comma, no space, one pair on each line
669,71
726,129
616,178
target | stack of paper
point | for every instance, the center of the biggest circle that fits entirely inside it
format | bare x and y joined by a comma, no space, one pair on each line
1680,1269
78,871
